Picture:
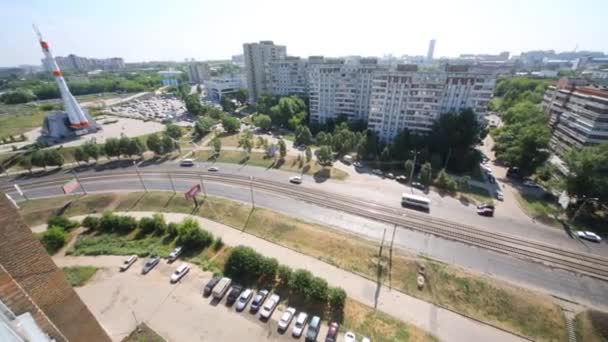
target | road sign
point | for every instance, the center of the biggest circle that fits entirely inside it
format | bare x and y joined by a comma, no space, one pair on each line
190,194
70,186
564,200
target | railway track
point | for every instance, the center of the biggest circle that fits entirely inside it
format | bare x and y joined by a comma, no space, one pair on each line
584,263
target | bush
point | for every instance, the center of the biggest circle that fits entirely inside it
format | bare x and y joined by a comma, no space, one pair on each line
218,244
190,235
301,282
172,229
445,182
285,274
91,222
110,222
154,224
337,298
53,239
268,268
62,222
319,289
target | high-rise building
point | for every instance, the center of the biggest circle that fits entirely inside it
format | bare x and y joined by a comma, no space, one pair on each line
73,62
289,76
198,72
36,301
578,114
406,98
258,57
431,52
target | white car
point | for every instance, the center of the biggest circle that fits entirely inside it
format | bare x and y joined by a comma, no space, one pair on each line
499,195
587,235
243,300
213,169
180,272
298,328
128,262
366,339
175,254
349,336
377,172
286,318
269,306
187,162
295,179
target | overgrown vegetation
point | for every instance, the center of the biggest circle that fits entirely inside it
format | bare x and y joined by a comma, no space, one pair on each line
143,333
79,275
591,326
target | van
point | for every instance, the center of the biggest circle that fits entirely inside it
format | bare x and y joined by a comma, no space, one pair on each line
187,162
220,289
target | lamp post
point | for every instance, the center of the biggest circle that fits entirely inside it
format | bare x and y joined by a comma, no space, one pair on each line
139,175
412,172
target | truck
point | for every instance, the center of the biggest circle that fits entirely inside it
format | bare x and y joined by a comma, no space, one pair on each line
220,289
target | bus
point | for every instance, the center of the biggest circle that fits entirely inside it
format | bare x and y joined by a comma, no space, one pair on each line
410,200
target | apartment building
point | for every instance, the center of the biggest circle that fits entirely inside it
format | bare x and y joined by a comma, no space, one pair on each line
408,98
223,85
258,57
289,76
578,114
73,62
198,72
338,88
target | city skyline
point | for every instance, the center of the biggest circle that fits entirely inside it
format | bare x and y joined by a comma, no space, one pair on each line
153,31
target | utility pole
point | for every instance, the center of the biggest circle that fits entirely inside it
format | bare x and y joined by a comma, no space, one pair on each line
172,184
139,175
412,172
203,185
251,189
390,259
79,183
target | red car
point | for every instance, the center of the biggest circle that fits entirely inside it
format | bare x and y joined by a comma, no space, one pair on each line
332,333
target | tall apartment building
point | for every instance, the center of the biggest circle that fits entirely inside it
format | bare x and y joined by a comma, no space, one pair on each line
198,72
258,57
337,88
289,76
408,98
36,301
73,62
578,115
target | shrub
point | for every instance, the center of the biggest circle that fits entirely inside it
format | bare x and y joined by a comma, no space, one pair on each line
218,244
337,298
146,224
91,222
110,222
268,268
62,222
190,235
301,282
126,224
53,239
319,289
285,274
172,229
242,264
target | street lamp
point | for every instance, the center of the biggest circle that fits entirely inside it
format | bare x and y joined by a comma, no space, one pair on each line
139,175
413,167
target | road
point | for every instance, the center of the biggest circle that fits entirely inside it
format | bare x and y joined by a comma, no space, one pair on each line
529,274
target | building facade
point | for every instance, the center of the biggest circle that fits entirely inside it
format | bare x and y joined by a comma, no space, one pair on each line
222,85
289,76
198,72
578,115
258,57
73,62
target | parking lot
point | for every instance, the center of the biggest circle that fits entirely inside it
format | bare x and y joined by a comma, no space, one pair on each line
178,312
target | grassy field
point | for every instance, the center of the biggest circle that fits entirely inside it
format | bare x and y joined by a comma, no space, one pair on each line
509,307
18,119
143,333
539,209
79,275
591,326
290,163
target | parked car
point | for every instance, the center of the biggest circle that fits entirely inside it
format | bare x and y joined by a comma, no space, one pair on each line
530,184
269,306
313,329
150,263
258,300
357,165
234,293
295,179
210,285
390,176
587,235
332,332
418,186
485,209
300,324
377,172
499,195
286,318
213,169
180,272
347,159
128,262
244,299
175,254
220,289
349,336
513,172
401,179
187,162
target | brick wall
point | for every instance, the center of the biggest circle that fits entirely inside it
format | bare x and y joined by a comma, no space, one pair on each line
26,261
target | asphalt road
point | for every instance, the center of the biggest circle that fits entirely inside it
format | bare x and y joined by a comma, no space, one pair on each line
585,290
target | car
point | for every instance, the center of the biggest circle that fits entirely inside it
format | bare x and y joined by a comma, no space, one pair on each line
377,172
401,179
300,324
587,235
258,300
357,165
127,263
187,162
513,172
150,263
213,169
210,285
332,332
234,293
244,299
347,159
530,184
349,336
175,253
286,318
499,195
313,329
180,272
302,147
485,209
295,179
390,176
366,339
220,289
418,185
269,306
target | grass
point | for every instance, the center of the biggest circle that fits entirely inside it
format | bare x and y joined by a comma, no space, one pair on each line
79,275
18,119
228,140
143,333
290,163
115,244
539,209
591,326
477,194
481,297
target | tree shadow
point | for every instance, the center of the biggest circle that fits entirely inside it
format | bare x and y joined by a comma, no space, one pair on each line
244,160
305,169
113,164
464,200
278,163
41,173
137,201
169,200
322,175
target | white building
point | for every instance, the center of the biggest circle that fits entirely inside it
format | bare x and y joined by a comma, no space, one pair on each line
258,57
222,85
289,76
198,72
338,89
412,99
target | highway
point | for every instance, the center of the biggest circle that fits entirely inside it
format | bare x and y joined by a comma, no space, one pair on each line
368,218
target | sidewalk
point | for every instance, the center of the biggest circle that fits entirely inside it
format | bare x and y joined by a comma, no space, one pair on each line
444,324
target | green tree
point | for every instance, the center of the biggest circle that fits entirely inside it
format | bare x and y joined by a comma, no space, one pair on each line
168,144
337,298
38,158
91,149
324,155
303,135
217,145
588,175
445,181
203,126
231,125
285,274
241,95
265,102
135,148
53,157
323,138
17,96
190,235
301,282
426,174
246,141
308,154
155,144
174,131
112,147
286,109
53,239
123,145
319,289
408,168
227,104
26,163
80,155
463,183
193,105
282,149
262,121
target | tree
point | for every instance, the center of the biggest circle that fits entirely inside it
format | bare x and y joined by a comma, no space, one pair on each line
385,158
53,239
91,222
262,121
231,125
285,274
241,95
174,131
282,149
61,222
38,158
463,183
323,138
445,181
588,175
227,104
203,126
193,105
190,235
319,289
301,282
168,144
91,149
112,147
53,157
26,163
324,155
135,148
17,96
123,145
303,135
217,145
246,141
426,174
286,109
308,154
409,167
154,144
337,298
80,155
265,102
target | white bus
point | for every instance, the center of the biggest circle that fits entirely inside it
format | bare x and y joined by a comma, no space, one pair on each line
415,201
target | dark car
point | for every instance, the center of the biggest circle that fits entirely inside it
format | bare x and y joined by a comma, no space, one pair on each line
513,172
210,285
332,332
418,186
485,209
234,293
258,300
150,264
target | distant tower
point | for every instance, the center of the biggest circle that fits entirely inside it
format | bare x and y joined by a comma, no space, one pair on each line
76,115
429,55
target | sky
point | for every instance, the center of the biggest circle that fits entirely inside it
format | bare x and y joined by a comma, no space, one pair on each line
153,30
